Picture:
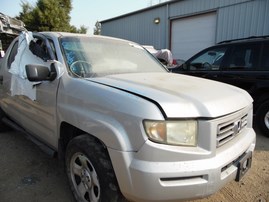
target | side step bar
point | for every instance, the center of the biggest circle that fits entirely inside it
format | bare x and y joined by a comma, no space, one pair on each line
40,144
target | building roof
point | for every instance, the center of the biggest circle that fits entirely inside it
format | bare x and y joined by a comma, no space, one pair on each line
141,10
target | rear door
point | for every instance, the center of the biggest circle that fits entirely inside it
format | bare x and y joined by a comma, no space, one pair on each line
241,67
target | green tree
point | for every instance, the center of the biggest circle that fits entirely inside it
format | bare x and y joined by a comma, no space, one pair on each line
81,30
26,15
53,15
97,28
48,15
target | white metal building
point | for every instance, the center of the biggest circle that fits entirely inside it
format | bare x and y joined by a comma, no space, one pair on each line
188,26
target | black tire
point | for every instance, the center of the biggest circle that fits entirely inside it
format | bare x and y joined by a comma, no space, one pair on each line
262,118
90,172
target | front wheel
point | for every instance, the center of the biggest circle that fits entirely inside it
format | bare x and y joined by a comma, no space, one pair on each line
90,171
262,118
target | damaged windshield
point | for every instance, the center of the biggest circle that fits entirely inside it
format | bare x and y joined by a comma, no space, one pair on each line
99,56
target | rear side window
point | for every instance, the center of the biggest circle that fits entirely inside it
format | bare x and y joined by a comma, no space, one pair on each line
265,57
244,57
12,54
209,60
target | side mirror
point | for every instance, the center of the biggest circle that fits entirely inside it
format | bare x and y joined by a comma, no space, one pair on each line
40,73
184,66
179,68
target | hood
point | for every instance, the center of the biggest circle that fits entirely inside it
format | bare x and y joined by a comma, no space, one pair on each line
182,96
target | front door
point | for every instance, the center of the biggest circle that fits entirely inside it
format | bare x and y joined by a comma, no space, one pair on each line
33,105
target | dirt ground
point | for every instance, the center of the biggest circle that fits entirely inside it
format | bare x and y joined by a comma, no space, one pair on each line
29,175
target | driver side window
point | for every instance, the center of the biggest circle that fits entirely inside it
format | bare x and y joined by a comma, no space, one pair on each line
209,60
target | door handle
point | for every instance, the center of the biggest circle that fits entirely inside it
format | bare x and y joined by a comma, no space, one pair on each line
1,79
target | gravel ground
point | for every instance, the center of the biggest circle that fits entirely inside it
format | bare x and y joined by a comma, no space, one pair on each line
27,174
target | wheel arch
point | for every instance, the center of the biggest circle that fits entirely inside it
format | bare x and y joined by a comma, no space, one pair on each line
67,133
260,97
106,135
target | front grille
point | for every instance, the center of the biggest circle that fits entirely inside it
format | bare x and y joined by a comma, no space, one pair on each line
228,130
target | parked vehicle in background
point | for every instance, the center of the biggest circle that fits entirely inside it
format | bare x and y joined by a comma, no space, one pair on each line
125,127
10,28
243,63
163,55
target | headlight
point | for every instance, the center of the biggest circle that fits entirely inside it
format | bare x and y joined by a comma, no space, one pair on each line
183,132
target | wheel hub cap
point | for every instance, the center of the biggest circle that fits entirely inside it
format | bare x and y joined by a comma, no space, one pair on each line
86,179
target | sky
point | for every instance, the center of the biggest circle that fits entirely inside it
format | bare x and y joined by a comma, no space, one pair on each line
85,12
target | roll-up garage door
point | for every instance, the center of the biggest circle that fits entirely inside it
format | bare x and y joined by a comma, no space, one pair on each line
192,34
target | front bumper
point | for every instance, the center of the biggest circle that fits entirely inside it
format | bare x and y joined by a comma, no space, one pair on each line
142,178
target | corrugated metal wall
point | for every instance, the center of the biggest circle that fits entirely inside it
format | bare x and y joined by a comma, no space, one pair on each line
235,19
191,7
139,28
243,20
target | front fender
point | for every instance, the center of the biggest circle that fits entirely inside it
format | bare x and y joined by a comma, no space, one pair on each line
112,115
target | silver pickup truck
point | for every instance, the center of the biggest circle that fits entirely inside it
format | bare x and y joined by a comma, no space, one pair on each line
125,127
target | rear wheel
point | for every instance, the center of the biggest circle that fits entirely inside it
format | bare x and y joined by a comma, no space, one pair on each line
262,118
90,171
